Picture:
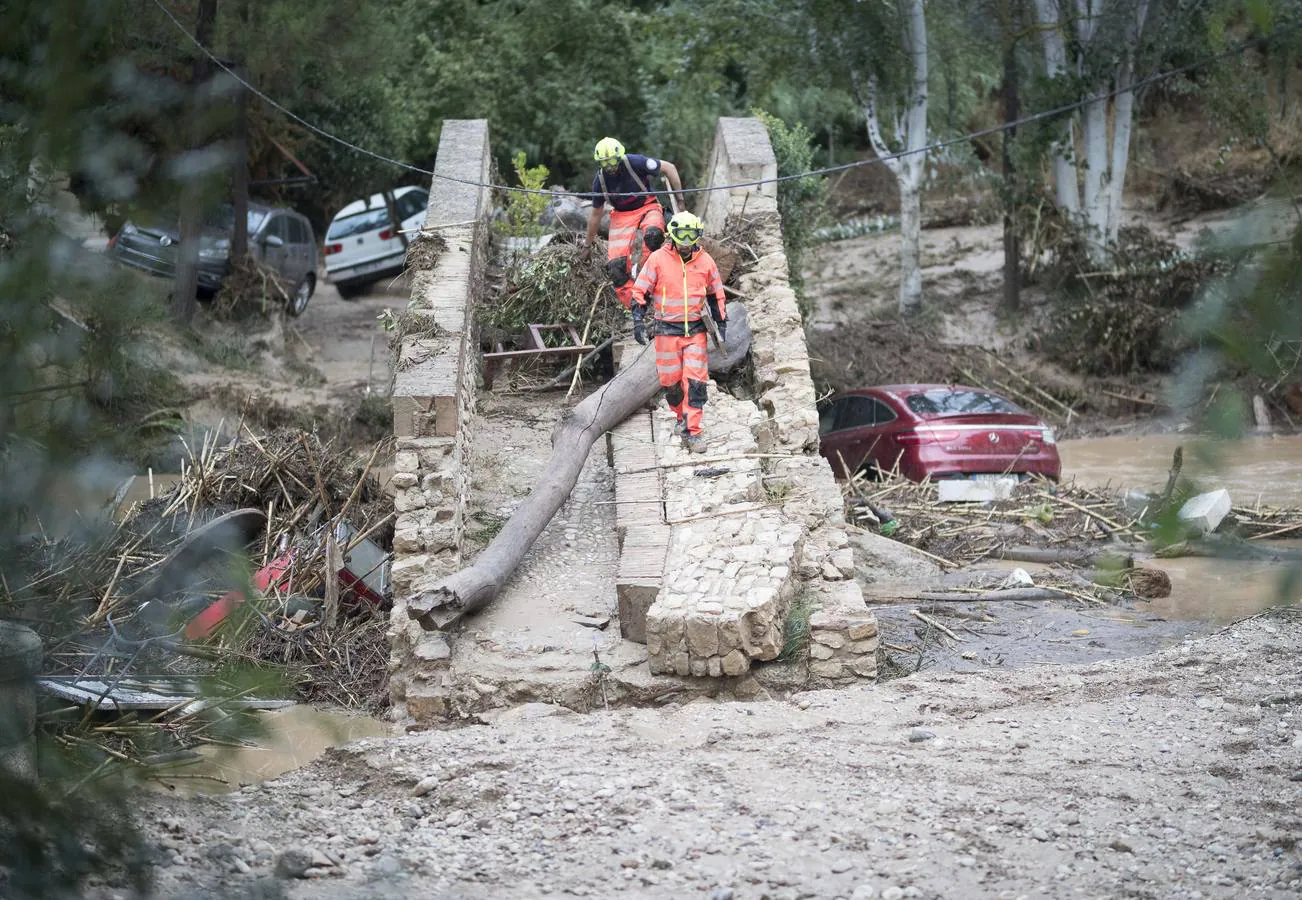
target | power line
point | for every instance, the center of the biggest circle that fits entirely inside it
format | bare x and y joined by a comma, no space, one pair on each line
826,170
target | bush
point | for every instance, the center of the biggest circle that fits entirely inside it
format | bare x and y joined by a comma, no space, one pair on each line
523,211
800,201
1120,317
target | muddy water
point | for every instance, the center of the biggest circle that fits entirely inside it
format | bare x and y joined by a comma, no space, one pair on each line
295,736
1265,470
1256,469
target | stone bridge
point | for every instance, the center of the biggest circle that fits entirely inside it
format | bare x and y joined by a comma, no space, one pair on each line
714,553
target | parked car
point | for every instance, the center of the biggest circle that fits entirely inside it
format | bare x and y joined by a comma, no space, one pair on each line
363,245
279,239
936,430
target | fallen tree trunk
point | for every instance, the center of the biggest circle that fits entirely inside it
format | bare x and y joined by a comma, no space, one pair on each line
1107,558
472,588
1014,594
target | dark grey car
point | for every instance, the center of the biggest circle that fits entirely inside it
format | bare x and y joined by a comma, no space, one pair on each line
279,239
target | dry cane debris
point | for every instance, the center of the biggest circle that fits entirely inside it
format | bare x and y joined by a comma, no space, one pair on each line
116,605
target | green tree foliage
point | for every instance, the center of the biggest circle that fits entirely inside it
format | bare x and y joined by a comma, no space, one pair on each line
801,201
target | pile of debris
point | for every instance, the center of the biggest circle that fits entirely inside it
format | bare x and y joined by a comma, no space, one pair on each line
959,522
261,577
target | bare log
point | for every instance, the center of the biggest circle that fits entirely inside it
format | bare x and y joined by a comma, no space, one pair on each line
472,588
1051,556
1014,594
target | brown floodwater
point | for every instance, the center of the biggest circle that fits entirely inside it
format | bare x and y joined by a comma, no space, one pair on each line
1259,469
1265,470
295,736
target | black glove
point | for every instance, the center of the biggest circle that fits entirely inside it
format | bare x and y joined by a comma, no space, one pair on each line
723,330
639,325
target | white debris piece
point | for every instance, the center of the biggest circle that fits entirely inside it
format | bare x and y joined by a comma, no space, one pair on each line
964,491
1016,579
1205,511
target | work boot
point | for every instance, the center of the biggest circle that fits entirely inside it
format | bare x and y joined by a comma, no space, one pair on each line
680,429
695,443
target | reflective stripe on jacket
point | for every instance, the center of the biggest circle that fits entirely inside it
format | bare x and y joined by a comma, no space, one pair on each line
678,288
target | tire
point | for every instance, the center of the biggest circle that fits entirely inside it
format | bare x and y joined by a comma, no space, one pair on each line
302,294
351,290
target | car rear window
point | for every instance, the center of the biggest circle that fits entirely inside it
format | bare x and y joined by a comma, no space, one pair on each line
357,223
942,402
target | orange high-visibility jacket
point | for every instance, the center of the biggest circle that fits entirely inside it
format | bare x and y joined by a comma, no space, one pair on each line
678,288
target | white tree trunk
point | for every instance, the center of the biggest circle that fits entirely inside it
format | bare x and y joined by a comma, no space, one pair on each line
914,165
1123,120
1055,64
1097,199
910,167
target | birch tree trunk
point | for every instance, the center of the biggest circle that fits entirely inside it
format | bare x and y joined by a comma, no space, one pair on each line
1123,120
1055,64
910,167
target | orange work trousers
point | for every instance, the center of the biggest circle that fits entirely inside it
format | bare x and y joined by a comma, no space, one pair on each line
684,369
626,230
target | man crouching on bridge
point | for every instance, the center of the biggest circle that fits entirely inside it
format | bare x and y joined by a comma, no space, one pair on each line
681,280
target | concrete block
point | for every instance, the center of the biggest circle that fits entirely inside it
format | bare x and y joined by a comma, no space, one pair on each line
965,491
1205,512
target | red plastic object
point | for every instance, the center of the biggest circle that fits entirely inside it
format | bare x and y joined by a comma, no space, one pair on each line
274,573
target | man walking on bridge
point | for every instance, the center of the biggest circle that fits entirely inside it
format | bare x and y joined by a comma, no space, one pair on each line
679,282
636,218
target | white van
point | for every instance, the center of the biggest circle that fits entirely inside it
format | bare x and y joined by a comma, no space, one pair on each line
362,246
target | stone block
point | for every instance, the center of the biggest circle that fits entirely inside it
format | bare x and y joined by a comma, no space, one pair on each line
821,651
864,667
702,636
715,667
833,639
406,462
735,663
862,630
432,648
634,601
426,702
829,668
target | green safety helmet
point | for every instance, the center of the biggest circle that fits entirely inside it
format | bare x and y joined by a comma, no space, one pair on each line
685,229
609,152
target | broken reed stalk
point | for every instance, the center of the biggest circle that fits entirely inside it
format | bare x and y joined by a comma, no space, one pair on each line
923,617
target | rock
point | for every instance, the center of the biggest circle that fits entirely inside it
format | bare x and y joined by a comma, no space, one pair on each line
220,851
893,893
662,864
413,810
863,892
455,818
294,863
721,894
629,862
426,784
387,866
918,735
841,867
1039,834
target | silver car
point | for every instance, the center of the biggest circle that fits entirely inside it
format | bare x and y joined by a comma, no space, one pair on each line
279,239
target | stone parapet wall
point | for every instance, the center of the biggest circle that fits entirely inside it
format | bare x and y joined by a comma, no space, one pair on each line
435,383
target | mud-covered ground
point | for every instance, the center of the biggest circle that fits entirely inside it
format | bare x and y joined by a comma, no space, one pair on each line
1174,775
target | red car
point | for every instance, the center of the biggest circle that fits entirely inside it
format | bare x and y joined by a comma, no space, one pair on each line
936,430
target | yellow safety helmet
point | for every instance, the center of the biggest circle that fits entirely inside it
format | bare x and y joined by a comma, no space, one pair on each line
608,153
685,229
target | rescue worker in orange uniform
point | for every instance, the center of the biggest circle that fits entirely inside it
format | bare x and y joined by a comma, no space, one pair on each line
636,219
680,286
